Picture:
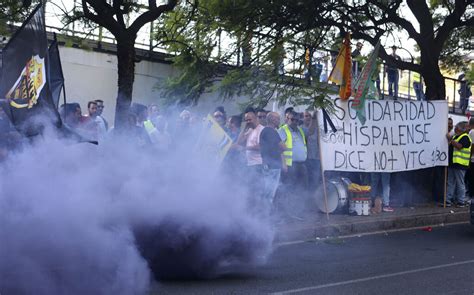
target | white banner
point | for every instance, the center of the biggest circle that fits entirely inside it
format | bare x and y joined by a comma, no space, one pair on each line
397,136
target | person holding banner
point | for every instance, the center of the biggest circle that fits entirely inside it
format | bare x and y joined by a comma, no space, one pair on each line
459,159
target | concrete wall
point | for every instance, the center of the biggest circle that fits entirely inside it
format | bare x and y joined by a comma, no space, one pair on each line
91,75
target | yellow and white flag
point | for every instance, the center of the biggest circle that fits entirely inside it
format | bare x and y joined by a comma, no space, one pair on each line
341,74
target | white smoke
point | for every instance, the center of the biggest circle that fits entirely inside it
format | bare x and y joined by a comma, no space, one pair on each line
85,219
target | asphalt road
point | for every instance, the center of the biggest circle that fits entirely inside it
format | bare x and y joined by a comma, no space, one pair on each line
407,262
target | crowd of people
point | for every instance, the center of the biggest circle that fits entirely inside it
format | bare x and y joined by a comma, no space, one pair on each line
269,155
277,159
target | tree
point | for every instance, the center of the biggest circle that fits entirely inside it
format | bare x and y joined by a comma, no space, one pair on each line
111,15
13,11
235,47
440,23
445,30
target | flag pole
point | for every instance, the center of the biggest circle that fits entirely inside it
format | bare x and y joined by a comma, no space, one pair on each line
322,170
445,186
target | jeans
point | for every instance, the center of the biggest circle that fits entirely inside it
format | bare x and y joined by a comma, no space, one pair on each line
271,179
254,180
418,87
456,186
393,85
384,178
463,104
294,189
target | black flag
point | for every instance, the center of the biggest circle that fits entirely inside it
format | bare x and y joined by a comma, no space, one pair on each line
55,77
24,81
326,120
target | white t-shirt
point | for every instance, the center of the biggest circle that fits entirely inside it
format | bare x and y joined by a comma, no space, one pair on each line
254,157
101,128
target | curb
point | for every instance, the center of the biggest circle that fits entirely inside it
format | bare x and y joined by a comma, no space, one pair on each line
311,231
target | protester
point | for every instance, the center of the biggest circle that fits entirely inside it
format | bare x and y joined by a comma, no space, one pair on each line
89,127
262,116
393,75
159,136
450,127
287,111
234,161
464,93
295,181
233,127
150,122
418,86
132,132
459,160
141,116
156,128
220,119
221,110
271,149
470,172
383,179
71,115
182,133
153,111
357,60
249,140
101,122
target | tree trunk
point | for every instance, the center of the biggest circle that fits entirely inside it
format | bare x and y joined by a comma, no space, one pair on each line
126,77
434,80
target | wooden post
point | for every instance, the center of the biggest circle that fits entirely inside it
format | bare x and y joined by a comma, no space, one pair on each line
321,167
445,185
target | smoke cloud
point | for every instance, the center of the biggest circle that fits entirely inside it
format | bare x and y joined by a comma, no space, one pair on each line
85,219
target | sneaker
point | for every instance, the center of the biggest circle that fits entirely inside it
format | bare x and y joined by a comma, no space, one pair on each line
387,209
447,204
461,205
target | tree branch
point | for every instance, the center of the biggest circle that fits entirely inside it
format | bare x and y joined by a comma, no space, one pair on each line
422,13
103,17
151,15
118,12
452,21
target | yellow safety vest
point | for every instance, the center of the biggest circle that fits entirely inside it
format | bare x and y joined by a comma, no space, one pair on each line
288,153
149,127
462,156
416,77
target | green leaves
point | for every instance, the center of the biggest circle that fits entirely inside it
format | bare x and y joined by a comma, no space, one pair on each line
12,11
238,48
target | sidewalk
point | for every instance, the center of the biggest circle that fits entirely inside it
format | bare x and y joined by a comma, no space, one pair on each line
316,225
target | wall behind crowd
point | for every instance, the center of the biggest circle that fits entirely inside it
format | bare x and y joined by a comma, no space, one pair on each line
92,75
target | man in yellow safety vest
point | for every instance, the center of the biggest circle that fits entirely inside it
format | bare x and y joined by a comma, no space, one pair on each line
459,158
295,180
